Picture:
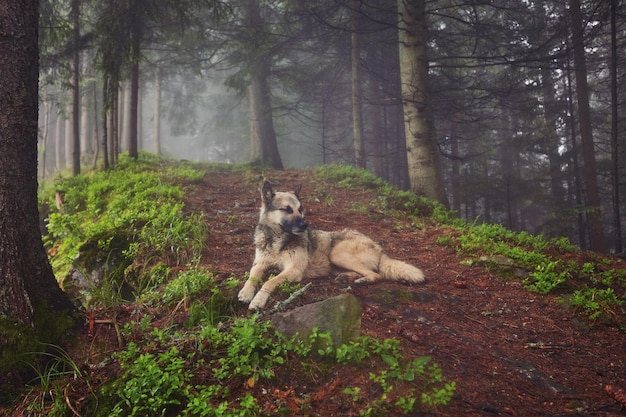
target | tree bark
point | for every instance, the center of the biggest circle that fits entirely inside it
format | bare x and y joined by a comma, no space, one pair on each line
586,133
157,111
28,288
425,175
263,143
76,88
357,101
617,218
133,148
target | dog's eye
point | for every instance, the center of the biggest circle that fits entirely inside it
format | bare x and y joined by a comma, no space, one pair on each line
287,209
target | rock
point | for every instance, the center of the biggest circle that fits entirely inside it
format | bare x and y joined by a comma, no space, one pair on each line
340,316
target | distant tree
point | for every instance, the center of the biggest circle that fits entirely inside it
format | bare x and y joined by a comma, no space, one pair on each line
124,30
29,293
357,96
586,132
263,143
615,174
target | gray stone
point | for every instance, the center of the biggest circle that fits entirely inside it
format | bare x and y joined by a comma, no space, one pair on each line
340,316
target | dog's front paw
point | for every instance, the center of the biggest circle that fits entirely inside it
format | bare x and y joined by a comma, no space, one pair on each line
258,302
246,294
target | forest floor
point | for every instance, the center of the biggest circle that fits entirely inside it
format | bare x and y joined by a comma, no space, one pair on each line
511,352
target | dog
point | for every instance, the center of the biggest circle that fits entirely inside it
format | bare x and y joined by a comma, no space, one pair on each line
287,247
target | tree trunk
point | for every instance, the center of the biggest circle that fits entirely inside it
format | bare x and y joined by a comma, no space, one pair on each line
586,133
76,88
59,143
134,110
357,101
29,293
617,218
157,111
425,174
263,143
106,91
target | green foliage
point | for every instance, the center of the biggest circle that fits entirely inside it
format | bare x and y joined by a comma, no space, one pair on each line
597,299
153,384
117,217
157,377
389,198
188,283
596,303
546,278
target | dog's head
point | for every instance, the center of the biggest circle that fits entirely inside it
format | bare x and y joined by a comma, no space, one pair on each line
283,209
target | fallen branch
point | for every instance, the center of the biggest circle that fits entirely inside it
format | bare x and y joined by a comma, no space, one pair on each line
282,305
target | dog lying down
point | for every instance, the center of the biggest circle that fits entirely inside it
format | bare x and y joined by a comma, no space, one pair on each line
287,247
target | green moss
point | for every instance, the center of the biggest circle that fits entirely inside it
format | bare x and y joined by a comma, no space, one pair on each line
20,339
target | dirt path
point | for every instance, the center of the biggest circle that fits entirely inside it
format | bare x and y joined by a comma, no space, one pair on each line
511,352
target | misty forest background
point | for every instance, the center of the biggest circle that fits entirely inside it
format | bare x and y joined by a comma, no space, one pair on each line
526,96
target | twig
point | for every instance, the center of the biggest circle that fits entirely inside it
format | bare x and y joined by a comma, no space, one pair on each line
281,305
69,403
116,326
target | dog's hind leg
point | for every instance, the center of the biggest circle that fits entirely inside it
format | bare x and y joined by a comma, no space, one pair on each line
362,265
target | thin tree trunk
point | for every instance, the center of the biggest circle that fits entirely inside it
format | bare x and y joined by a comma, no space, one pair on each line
105,120
425,174
582,237
263,142
617,219
96,146
586,133
76,88
157,111
357,100
59,143
133,151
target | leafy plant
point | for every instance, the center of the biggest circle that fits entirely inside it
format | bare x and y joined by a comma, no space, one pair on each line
153,384
546,278
596,302
112,218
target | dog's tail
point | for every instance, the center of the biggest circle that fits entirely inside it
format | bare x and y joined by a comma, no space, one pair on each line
395,270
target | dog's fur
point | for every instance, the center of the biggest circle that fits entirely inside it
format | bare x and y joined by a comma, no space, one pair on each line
287,247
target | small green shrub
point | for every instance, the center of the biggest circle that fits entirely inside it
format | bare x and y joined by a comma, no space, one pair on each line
596,303
126,219
153,384
546,278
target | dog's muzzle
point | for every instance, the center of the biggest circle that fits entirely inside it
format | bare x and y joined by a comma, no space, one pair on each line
296,226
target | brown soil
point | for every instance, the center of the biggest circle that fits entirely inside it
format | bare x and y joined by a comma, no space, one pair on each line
510,351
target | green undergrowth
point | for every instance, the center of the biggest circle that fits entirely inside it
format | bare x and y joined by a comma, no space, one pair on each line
117,225
185,350
389,199
222,368
593,289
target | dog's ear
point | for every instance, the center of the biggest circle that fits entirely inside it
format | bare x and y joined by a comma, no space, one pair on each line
267,194
297,190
